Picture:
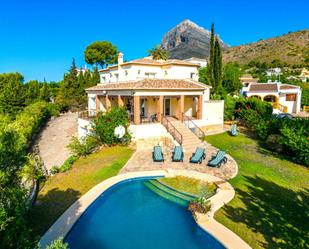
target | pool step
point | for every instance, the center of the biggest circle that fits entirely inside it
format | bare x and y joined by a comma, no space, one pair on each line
169,193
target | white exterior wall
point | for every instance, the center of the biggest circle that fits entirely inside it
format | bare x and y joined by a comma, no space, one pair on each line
213,113
293,106
147,131
128,73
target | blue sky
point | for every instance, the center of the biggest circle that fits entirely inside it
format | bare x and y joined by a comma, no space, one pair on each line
39,38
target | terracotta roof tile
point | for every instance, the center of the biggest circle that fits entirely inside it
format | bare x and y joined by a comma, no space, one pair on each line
144,84
285,87
263,87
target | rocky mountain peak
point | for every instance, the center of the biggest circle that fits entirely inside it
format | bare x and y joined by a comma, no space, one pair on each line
187,40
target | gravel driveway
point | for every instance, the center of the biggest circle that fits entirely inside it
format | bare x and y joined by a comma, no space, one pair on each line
55,137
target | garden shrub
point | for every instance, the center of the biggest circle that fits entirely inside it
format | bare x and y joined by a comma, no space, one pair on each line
83,146
68,164
28,122
229,108
105,123
199,205
33,169
294,137
58,244
54,170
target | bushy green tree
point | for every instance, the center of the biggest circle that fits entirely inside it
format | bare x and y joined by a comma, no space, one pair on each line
72,94
101,53
105,123
231,78
12,96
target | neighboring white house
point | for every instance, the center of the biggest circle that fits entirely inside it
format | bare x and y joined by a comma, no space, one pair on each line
200,61
151,90
304,75
273,71
284,97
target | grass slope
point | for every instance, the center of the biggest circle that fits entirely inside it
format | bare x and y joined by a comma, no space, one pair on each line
270,209
62,190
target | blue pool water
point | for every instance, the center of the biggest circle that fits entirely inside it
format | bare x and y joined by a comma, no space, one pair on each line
131,216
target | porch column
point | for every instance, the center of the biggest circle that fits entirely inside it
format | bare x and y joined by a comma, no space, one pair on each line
120,101
160,108
181,106
137,111
200,107
97,103
107,103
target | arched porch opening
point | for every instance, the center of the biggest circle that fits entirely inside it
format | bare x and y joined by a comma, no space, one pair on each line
270,98
256,96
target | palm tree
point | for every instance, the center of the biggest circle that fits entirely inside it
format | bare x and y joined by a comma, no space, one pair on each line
159,53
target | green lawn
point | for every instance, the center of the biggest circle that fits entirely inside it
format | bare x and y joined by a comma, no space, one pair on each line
63,189
271,206
190,185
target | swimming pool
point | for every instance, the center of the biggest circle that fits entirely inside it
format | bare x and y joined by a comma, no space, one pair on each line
132,216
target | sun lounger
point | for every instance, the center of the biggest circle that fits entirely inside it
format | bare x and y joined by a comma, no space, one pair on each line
157,154
217,160
234,131
198,156
177,154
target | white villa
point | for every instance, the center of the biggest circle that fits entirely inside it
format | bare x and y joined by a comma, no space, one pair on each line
153,91
284,97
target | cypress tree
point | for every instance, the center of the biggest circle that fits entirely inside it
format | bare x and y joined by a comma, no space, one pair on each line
217,68
214,67
211,56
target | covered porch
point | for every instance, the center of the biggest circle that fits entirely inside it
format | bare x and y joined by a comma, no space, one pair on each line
149,108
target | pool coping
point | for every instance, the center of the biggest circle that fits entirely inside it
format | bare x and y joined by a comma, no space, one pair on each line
224,194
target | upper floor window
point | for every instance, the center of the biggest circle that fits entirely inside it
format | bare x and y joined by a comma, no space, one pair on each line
126,72
117,76
150,75
104,79
192,75
290,97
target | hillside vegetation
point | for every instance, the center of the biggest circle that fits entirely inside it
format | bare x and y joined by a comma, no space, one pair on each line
292,48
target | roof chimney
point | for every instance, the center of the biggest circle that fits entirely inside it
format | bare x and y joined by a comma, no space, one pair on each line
120,58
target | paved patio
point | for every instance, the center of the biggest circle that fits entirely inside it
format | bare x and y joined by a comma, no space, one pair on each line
142,161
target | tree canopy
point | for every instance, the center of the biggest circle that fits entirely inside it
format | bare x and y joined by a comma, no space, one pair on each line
101,53
158,53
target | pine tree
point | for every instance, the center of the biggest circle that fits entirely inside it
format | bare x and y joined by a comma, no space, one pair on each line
95,77
12,96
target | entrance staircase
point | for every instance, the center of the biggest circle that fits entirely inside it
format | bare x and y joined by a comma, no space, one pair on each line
189,140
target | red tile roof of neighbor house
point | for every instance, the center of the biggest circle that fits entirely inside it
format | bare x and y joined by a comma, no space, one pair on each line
148,84
286,86
150,61
263,87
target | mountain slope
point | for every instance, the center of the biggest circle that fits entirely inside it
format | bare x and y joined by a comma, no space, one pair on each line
291,48
187,40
